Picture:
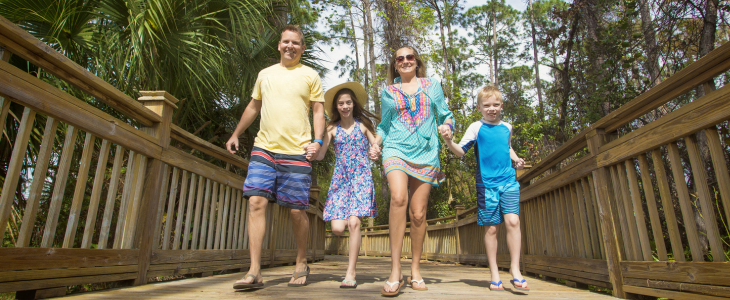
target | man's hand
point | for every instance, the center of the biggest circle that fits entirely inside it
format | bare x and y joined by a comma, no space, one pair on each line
232,144
445,132
519,164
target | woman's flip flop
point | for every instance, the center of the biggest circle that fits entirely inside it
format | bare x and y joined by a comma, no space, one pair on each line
416,286
300,274
498,289
345,286
244,285
521,282
392,284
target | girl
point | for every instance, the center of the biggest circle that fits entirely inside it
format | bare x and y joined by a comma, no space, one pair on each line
351,194
410,155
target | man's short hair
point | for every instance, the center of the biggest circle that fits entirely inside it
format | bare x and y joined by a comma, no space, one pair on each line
295,29
489,91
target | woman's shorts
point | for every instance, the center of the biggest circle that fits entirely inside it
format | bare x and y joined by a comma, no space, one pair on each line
281,178
495,202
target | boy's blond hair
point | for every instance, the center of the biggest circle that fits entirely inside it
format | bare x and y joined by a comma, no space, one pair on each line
489,91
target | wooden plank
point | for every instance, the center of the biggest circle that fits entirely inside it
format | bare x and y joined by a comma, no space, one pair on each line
184,256
124,203
9,276
704,112
15,166
568,219
720,165
161,206
575,144
211,217
204,221
170,216
705,199
224,226
49,231
242,222
570,272
44,98
204,146
111,198
584,241
597,266
198,211
638,210
685,203
79,191
531,269
668,206
4,109
630,213
16,259
39,176
236,219
712,273
219,219
150,194
133,210
23,44
571,173
96,194
189,213
244,226
596,214
59,282
656,225
183,160
180,211
711,290
617,209
668,294
584,221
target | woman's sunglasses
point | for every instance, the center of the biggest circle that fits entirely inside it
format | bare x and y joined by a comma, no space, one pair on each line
409,57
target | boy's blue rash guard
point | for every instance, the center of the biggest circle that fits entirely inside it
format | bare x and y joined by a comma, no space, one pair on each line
491,148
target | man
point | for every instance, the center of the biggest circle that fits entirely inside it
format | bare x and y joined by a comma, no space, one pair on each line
279,171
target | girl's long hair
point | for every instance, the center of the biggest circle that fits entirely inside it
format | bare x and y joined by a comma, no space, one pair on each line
393,72
358,112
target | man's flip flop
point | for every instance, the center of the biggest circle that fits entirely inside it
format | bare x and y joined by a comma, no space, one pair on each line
521,282
252,285
499,289
392,284
416,286
344,286
300,274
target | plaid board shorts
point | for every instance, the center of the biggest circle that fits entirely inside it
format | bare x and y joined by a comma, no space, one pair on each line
281,178
494,202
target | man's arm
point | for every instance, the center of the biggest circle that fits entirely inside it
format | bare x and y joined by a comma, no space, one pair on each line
318,116
248,116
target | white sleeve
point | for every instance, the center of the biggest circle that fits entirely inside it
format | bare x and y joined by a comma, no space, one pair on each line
470,136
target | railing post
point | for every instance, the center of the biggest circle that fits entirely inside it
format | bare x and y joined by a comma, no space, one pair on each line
459,210
604,194
163,104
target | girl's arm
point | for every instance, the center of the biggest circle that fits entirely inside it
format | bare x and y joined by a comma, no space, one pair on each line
373,140
325,144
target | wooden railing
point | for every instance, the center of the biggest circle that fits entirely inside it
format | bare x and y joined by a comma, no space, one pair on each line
638,202
146,209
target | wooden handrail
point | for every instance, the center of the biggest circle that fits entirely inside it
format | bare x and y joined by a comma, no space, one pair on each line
204,146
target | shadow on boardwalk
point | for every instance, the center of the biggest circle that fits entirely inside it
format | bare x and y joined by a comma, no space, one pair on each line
445,281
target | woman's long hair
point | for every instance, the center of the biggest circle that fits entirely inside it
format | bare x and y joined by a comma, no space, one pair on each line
420,66
358,112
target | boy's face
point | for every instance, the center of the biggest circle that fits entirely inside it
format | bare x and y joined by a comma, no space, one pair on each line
291,46
491,108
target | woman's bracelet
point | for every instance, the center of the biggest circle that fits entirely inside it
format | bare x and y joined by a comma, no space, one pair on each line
450,126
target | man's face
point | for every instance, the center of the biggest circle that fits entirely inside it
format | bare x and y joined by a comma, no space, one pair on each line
291,46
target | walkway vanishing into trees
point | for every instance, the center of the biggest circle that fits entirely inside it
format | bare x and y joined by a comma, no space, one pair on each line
636,204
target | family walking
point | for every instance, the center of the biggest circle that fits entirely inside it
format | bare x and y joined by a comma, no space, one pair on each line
414,113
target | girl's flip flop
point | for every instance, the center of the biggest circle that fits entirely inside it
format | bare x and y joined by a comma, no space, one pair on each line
416,286
521,282
344,286
498,289
392,284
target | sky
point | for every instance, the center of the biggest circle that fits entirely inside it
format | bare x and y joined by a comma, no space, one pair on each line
340,52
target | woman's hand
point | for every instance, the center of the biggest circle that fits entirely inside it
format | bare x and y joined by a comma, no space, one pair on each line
445,131
374,152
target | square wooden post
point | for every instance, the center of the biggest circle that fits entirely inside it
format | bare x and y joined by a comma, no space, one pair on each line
604,194
459,210
163,104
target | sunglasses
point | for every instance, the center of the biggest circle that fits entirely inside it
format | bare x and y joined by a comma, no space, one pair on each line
409,57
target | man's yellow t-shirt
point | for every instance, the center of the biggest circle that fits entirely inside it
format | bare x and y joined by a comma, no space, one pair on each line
286,94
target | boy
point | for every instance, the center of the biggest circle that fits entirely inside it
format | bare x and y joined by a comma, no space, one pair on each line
280,170
498,192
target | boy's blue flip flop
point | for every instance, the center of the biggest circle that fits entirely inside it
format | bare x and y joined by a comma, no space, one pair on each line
519,288
499,289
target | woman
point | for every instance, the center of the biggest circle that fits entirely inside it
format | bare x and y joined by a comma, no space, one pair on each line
410,155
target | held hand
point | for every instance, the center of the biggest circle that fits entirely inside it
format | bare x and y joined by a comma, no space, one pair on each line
311,150
232,144
445,132
519,164
374,152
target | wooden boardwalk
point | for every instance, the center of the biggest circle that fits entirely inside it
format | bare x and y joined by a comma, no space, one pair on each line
445,281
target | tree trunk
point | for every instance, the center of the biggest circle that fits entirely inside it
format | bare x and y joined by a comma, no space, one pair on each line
366,41
538,84
567,85
650,47
354,42
371,49
495,77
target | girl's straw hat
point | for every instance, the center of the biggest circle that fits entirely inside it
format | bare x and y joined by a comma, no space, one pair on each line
356,87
